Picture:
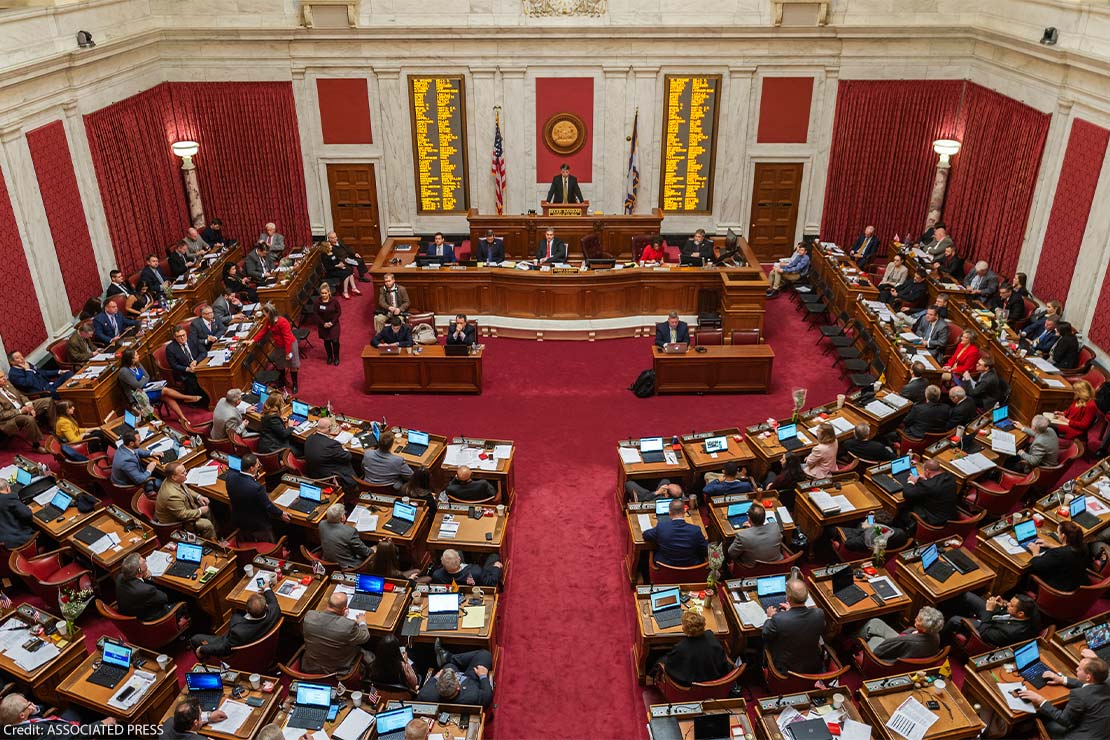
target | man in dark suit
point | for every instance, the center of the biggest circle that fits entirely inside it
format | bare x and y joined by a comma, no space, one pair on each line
438,248
263,612
465,487
672,330
860,445
932,496
135,597
16,528
324,457
998,621
183,356
29,378
963,410
462,332
214,235
564,188
756,540
793,632
447,686
118,286
339,541
153,278
205,330
345,253
453,569
1087,713
914,390
910,293
395,333
677,541
109,324
551,249
259,265
987,389
864,248
180,261
252,511
696,250
920,641
929,417
491,249
1010,302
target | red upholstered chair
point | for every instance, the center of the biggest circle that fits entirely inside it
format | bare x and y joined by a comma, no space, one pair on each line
963,528
767,567
415,319
907,444
787,683
315,556
1086,362
745,336
591,247
243,444
60,351
663,573
144,506
29,550
291,670
163,364
638,243
47,573
1050,475
706,337
873,667
676,693
100,470
292,463
954,334
200,429
120,299
246,551
150,635
258,656
1067,607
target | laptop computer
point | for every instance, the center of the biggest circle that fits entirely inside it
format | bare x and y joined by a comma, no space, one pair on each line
22,480
651,449
901,469
207,688
255,395
115,662
1098,639
666,607
809,729
235,463
663,507
262,398
443,612
309,496
416,443
299,414
676,348
788,437
1000,418
716,444
844,587
712,727
401,520
55,508
770,590
368,593
391,725
934,565
188,560
130,421
738,513
311,707
456,350
1027,658
89,534
1079,514
1025,532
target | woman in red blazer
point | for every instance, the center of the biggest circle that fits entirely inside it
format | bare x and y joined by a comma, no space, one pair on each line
964,357
286,354
1081,415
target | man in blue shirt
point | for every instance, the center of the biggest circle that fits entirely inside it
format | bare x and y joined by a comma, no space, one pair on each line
128,468
677,541
791,271
726,482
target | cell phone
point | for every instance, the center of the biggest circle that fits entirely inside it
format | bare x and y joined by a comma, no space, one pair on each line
933,704
878,599
333,711
260,582
444,718
255,701
464,721
126,693
33,644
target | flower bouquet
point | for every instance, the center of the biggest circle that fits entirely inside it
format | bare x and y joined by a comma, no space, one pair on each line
799,396
72,604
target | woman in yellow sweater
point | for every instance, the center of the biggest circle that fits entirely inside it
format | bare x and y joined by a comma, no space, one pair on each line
70,433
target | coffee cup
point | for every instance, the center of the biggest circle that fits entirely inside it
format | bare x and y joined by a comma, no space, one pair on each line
163,662
405,500
248,569
356,698
938,686
838,701
501,510
256,681
840,400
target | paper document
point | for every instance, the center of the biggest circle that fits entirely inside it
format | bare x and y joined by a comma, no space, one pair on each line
852,730
1054,383
142,681
893,399
354,725
206,475
12,636
502,452
788,716
163,445
243,407
629,455
105,543
909,336
29,661
1008,543
291,589
784,515
1015,703
46,496
286,498
824,502
669,457
296,733
924,358
912,719
644,521
475,617
1042,364
841,425
879,409
458,455
102,357
973,464
344,437
158,562
489,463
1003,442
363,520
842,502
237,713
448,530
751,613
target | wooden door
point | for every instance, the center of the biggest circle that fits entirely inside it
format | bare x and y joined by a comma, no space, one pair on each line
774,209
354,206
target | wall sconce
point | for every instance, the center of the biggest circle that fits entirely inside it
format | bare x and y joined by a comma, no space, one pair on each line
186,150
946,148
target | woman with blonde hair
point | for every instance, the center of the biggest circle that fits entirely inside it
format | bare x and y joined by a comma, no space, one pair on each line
336,270
822,459
699,657
1081,415
327,314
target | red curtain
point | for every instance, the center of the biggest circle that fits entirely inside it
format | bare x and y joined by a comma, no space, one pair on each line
21,323
881,165
990,189
65,212
249,165
139,177
1071,207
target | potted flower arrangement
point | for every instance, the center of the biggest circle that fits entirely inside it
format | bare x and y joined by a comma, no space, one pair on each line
72,603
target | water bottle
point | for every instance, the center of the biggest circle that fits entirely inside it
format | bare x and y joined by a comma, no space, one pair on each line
870,520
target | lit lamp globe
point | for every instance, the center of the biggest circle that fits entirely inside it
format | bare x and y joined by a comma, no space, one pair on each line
186,150
946,148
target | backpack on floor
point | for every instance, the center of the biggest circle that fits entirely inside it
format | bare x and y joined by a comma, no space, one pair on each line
644,386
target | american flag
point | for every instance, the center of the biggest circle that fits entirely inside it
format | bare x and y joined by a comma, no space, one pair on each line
632,180
498,166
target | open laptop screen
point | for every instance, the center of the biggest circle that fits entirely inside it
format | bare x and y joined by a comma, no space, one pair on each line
900,465
1000,414
770,585
787,431
651,444
311,492
666,599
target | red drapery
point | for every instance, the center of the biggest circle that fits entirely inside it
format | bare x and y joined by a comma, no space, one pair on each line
21,323
991,186
139,177
65,212
881,165
249,164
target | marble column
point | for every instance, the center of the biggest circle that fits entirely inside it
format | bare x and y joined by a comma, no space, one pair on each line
612,159
732,174
1052,160
192,192
936,196
483,95
90,191
395,134
646,100
520,160
820,133
308,119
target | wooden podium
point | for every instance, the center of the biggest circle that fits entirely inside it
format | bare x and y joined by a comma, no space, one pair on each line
523,232
565,209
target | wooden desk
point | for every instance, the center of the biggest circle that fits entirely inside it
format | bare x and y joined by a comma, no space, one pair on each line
295,609
233,372
210,596
840,614
284,293
1070,641
71,519
387,616
650,637
345,708
889,421
149,709
736,591
702,462
1008,567
471,536
812,521
767,710
258,717
94,398
523,232
718,513
671,719
310,521
503,474
204,285
43,680
412,541
983,675
924,589
160,432
1054,506
140,539
637,545
421,369
677,472
450,731
484,637
764,440
725,368
956,718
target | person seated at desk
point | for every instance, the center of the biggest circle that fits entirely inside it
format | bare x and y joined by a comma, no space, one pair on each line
910,293
325,457
932,496
1086,716
453,570
337,272
940,242
996,620
383,467
139,301
920,641
982,282
28,378
951,263
490,249
188,719
672,331
205,330
16,519
275,432
758,539
389,665
128,468
1065,352
180,261
793,632
727,481
19,414
677,541
183,357
332,640
1035,327
235,283
862,447
914,389
699,656
272,241
339,541
786,479
348,256
227,308
1010,302
1047,338
1044,445
930,417
550,249
821,460
117,285
132,379
195,244
153,278
108,325
653,252
386,563
963,410
262,613
213,234
697,249
462,332
463,678
987,389
636,491
24,719
181,505
393,300
789,270
465,487
135,597
895,273
863,249
395,333
252,511
227,418
80,346
1080,415
933,331
1063,568
963,359
259,266
438,249
564,187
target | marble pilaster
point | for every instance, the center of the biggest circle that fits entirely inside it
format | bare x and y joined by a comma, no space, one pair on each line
395,133
480,117
520,164
611,149
735,135
1052,161
90,191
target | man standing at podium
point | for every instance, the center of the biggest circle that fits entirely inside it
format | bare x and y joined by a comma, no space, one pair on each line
564,187
551,249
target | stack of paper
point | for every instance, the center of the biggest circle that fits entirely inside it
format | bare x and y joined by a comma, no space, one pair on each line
344,437
363,520
644,521
475,618
895,400
1007,542
912,719
1015,703
286,498
296,733
29,661
449,530
1042,365
973,464
46,496
158,562
841,425
108,541
205,475
458,455
923,357
1003,442
751,613
502,452
879,409
824,502
141,681
489,463
784,515
354,725
237,713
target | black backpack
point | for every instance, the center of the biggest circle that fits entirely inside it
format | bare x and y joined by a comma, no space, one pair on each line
644,385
